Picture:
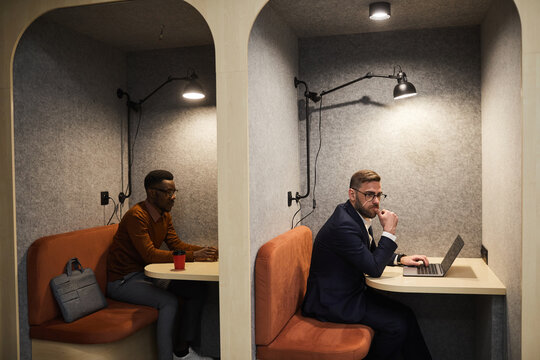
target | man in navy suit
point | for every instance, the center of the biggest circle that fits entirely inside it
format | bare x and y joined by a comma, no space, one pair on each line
343,252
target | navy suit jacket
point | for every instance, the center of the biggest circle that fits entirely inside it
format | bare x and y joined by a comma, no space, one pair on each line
341,256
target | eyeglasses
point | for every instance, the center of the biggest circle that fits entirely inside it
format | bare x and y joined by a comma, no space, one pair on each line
170,193
370,196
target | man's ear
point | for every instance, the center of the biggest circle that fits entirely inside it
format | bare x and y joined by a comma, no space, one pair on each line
352,195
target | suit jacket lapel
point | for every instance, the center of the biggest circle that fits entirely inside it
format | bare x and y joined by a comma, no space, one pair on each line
354,214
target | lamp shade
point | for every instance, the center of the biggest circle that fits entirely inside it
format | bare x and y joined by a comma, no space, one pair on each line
379,11
193,91
404,89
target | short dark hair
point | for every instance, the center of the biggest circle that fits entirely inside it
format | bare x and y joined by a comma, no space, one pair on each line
363,176
155,177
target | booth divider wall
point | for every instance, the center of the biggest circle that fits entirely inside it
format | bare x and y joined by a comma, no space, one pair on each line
502,130
273,129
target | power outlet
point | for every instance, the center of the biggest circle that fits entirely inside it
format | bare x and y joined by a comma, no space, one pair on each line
484,254
104,198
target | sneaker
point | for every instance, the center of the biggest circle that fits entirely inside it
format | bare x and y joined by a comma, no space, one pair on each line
192,355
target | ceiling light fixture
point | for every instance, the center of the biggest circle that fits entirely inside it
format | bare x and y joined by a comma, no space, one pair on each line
379,11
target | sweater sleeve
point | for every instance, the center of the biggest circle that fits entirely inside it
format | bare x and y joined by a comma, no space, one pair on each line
139,234
174,243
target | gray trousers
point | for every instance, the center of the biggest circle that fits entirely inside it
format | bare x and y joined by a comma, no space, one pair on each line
175,324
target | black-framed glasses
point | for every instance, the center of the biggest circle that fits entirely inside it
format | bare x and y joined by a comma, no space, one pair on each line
370,195
169,193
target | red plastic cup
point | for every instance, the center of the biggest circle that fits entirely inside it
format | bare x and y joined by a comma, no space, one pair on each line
179,257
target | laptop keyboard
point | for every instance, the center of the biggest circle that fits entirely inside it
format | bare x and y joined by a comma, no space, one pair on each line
430,269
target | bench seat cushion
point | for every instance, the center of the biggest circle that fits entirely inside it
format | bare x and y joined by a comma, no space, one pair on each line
306,338
281,272
115,322
47,258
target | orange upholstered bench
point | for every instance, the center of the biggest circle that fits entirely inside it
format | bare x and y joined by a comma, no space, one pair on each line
120,330
281,332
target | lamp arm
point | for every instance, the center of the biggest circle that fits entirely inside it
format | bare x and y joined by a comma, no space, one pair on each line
169,79
369,75
395,77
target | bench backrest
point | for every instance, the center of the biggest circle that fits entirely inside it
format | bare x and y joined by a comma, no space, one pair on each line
281,272
47,258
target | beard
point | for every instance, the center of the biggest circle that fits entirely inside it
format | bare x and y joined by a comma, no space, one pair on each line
166,206
369,211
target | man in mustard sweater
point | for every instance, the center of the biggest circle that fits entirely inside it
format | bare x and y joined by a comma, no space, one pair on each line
142,231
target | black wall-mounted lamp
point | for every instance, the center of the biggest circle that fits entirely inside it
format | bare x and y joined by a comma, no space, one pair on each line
402,90
192,91
379,11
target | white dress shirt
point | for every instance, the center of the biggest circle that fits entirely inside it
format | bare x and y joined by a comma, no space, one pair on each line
367,224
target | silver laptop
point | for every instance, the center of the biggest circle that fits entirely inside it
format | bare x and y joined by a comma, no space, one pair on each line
437,270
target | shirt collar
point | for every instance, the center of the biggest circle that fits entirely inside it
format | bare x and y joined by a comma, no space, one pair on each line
154,213
367,222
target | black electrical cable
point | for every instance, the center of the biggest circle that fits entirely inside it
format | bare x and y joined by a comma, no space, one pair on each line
297,211
299,221
118,207
115,211
130,164
135,137
122,150
120,94
317,155
315,168
119,213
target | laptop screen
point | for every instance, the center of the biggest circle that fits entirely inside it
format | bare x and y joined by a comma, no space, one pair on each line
452,254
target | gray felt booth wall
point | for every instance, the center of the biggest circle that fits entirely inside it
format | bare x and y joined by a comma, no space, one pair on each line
427,148
67,130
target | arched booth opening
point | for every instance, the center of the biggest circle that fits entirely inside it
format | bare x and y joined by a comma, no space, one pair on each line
443,155
73,71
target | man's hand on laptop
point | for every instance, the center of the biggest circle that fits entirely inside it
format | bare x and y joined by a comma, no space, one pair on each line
414,260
